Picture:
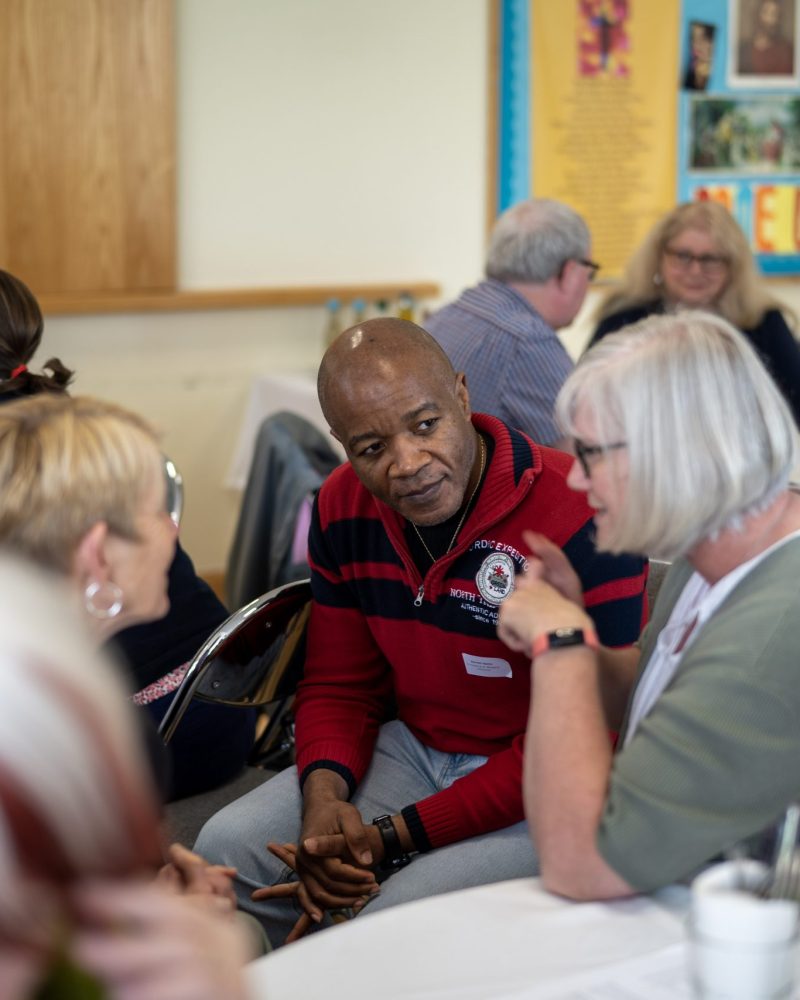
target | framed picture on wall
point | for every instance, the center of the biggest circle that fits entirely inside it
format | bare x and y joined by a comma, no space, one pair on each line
700,55
764,43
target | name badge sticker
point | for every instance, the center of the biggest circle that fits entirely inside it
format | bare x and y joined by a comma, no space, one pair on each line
486,666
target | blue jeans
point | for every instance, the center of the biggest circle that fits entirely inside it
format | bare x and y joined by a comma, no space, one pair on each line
402,771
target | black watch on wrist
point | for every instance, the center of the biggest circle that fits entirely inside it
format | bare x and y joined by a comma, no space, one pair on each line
394,857
560,638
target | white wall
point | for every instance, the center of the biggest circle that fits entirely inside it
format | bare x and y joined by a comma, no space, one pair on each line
329,141
318,142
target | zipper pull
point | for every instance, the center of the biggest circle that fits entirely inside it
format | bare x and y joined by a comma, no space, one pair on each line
420,595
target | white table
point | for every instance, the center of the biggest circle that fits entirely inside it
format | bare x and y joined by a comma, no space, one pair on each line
296,392
508,941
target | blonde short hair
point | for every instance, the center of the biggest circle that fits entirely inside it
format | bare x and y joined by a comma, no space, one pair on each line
709,437
65,465
744,299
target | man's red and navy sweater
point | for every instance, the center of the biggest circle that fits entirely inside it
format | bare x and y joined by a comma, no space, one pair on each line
383,641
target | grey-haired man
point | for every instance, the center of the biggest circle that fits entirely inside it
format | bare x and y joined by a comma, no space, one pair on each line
502,332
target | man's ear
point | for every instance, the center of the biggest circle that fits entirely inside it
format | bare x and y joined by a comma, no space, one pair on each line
90,562
562,277
462,394
570,276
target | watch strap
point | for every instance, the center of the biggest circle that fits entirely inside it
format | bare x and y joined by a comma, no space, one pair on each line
394,856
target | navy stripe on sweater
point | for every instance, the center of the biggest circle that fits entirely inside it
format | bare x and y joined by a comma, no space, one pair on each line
522,453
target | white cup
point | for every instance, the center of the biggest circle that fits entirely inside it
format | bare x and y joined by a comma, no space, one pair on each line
741,947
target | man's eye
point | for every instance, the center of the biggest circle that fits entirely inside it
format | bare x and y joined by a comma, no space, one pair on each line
371,449
427,425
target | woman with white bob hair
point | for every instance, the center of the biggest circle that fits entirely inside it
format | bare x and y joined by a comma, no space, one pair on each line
684,449
79,913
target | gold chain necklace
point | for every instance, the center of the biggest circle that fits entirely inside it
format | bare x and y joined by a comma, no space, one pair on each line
482,446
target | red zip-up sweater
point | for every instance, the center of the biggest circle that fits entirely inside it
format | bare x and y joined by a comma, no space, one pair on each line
383,641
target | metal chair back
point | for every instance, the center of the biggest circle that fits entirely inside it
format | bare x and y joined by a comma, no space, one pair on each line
255,657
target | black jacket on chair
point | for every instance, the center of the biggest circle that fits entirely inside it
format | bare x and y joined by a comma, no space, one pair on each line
291,460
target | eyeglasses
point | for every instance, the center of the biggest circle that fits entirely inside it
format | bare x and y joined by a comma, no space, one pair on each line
708,263
583,452
593,268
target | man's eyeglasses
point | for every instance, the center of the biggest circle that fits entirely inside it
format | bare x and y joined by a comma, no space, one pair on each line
583,452
708,263
592,266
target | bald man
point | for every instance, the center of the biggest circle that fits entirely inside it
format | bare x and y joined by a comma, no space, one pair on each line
411,716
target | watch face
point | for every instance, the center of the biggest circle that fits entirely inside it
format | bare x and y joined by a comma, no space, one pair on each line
566,637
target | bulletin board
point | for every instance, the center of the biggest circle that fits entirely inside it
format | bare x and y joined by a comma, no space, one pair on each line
739,140
623,107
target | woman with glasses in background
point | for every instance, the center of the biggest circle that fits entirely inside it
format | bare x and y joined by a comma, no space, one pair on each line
697,257
684,450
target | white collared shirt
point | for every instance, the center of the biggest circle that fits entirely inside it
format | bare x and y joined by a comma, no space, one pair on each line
697,603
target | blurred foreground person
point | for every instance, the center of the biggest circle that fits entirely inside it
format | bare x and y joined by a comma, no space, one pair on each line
684,449
79,913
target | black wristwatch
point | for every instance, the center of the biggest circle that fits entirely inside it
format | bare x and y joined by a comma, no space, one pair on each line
562,637
394,857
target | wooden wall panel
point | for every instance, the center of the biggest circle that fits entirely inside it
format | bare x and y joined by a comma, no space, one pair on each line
87,140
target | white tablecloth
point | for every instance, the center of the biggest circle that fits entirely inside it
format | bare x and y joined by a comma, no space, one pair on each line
508,941
270,394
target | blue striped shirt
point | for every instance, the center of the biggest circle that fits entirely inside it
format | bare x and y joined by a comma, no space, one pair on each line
514,362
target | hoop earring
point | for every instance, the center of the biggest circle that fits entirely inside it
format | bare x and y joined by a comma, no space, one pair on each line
657,279
110,603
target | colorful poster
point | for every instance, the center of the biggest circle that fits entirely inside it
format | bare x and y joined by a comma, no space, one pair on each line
739,139
622,108
604,80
